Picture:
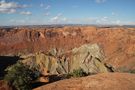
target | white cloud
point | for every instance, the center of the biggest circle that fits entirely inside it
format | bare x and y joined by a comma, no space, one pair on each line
109,21
100,1
47,7
55,19
26,13
10,7
130,23
47,14
102,20
6,7
8,11
41,5
118,21
25,6
64,19
58,19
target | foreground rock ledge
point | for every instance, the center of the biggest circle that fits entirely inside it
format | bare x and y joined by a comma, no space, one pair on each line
103,81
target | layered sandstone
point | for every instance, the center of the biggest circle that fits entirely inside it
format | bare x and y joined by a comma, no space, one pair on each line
118,43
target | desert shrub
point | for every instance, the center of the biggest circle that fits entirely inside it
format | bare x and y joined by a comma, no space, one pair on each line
126,70
20,76
131,71
77,73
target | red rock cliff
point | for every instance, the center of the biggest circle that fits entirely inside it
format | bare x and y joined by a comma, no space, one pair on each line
118,43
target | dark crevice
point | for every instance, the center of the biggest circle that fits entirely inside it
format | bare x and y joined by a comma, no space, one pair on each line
6,61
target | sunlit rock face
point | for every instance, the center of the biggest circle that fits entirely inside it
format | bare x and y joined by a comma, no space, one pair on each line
89,57
31,40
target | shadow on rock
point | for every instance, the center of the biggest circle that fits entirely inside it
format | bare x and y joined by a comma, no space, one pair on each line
6,61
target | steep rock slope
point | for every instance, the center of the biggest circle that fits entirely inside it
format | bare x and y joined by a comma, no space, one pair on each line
103,81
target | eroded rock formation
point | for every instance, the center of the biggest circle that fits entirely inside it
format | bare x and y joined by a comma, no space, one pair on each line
89,57
118,43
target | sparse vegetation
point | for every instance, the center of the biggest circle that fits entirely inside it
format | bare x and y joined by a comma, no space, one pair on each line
126,70
132,71
20,76
77,73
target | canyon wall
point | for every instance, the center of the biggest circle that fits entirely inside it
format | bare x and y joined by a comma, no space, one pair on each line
117,43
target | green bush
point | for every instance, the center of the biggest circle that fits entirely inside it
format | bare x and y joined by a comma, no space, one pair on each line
20,76
132,71
77,73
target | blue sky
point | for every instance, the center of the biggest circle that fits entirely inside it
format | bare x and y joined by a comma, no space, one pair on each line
39,12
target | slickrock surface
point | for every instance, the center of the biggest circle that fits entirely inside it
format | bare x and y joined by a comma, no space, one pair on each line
103,81
4,86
